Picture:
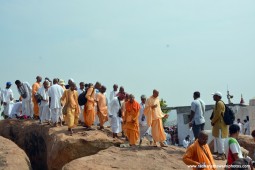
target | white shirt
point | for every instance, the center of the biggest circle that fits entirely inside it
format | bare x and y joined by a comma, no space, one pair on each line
142,122
185,143
6,95
55,93
114,107
233,145
112,95
198,106
45,95
28,89
247,127
80,91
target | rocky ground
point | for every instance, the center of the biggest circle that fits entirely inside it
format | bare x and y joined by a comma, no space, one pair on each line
12,157
53,148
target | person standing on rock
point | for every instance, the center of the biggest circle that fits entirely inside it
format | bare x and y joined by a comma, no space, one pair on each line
198,154
89,108
6,96
145,131
219,129
197,120
55,93
131,120
35,88
80,91
154,116
115,113
44,111
72,107
102,111
25,91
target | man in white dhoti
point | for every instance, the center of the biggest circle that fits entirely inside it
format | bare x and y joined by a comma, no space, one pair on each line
80,91
55,93
145,131
44,110
7,100
25,91
115,114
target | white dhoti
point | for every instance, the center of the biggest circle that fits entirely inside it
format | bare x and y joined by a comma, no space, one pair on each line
81,117
7,109
145,131
44,113
219,144
55,114
116,124
27,108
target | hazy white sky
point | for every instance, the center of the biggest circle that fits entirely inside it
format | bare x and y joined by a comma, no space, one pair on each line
175,46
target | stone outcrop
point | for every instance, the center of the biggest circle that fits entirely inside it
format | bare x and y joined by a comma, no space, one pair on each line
12,157
51,148
145,157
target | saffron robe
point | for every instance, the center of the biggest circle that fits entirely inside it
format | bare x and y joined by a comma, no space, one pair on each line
195,155
154,119
132,122
89,109
102,110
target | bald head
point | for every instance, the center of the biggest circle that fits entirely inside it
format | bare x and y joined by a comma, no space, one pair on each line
202,138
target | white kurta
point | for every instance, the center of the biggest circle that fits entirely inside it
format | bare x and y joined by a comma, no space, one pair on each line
44,111
6,96
27,106
55,93
112,95
114,108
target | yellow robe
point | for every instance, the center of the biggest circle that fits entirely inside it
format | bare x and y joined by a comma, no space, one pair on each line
218,121
89,109
154,119
73,109
102,110
195,155
35,88
132,123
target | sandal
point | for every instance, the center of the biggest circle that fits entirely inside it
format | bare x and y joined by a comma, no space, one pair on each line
220,157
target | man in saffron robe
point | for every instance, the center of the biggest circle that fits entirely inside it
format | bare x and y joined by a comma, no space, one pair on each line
89,108
154,116
35,88
198,154
131,120
102,111
73,109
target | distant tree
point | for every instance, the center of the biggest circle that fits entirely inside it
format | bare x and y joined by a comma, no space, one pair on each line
164,109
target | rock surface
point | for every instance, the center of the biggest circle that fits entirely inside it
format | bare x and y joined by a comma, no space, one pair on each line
145,157
12,157
51,148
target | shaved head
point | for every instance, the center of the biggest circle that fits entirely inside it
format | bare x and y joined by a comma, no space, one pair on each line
202,138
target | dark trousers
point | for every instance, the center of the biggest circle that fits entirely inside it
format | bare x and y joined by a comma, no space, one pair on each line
197,129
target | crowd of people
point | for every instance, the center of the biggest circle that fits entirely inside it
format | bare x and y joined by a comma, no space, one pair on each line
57,104
226,146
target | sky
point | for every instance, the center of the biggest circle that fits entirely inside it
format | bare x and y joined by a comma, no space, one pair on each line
174,46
